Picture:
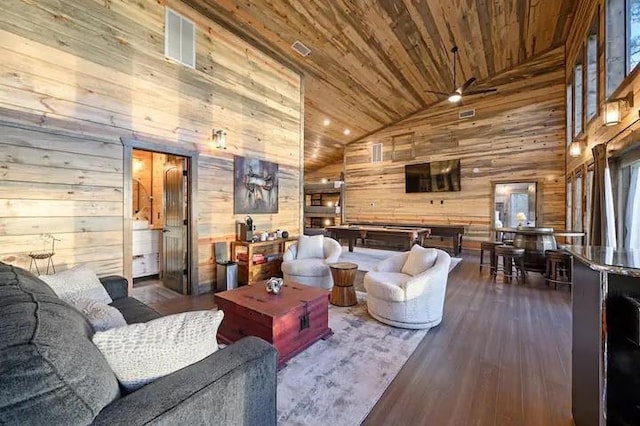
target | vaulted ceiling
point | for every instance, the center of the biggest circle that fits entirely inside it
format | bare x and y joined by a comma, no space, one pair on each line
372,61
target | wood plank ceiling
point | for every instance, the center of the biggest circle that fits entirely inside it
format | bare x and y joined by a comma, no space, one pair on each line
372,60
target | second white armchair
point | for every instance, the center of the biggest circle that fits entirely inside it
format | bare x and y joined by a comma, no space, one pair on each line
408,289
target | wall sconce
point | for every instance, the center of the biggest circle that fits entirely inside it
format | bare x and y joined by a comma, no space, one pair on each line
612,113
575,149
219,139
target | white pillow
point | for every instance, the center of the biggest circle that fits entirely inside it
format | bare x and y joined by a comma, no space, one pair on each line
419,260
102,317
75,283
310,247
141,353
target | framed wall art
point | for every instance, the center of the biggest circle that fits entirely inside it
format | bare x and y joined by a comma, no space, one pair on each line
255,186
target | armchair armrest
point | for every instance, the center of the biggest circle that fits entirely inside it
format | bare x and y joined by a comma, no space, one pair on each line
291,253
116,286
235,385
430,280
331,250
393,263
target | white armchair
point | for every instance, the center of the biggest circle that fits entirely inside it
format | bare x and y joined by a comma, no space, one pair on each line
313,271
407,300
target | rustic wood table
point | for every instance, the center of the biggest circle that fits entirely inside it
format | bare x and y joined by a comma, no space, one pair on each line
291,320
344,275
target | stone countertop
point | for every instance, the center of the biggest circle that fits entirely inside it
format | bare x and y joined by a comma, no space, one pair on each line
607,259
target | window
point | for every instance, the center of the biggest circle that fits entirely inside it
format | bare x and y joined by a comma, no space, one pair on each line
630,202
569,205
376,153
179,39
633,34
577,100
577,204
622,42
569,113
589,204
592,72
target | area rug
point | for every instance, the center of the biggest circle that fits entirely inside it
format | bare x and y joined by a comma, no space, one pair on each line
337,381
367,258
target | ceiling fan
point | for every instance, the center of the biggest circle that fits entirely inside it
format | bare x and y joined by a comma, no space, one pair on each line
456,94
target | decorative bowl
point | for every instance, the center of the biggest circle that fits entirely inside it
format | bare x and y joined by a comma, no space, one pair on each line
274,285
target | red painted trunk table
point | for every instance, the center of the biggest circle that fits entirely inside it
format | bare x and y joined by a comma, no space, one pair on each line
291,320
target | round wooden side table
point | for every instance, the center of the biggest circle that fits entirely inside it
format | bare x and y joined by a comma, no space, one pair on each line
343,292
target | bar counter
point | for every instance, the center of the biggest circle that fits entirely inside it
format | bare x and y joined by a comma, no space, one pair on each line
605,355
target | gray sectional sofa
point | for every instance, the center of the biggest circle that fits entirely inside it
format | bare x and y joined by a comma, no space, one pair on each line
51,373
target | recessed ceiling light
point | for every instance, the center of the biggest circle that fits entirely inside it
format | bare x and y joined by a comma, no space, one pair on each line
347,132
326,122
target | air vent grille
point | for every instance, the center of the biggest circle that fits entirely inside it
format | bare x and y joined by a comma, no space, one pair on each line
299,47
467,113
179,39
376,153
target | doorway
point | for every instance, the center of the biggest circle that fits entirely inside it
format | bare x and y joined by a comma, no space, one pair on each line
160,239
514,204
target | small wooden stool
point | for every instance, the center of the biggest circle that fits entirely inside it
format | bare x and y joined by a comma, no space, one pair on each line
344,274
559,264
488,246
511,256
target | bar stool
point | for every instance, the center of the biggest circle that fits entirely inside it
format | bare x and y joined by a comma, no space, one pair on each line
488,246
511,256
559,265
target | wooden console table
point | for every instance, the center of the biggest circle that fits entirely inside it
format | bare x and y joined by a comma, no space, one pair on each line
248,271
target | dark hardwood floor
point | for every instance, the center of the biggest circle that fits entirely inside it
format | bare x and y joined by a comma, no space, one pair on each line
501,356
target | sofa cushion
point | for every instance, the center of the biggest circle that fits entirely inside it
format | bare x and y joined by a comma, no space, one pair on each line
310,247
419,260
101,317
141,353
306,268
386,285
50,371
77,282
134,311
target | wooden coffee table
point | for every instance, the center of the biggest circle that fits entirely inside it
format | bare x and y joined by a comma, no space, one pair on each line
291,320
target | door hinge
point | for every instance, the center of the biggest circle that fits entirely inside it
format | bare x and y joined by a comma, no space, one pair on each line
185,222
185,272
185,173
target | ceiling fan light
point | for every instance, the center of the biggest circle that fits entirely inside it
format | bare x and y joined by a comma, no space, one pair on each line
455,97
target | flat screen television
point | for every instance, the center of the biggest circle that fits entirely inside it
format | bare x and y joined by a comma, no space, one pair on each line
437,176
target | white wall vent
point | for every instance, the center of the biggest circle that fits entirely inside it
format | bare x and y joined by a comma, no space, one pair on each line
376,153
179,38
299,47
467,113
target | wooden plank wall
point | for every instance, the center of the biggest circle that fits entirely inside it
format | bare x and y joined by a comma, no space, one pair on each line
517,134
77,76
619,137
331,172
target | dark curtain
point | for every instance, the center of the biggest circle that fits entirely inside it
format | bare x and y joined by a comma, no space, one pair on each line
598,210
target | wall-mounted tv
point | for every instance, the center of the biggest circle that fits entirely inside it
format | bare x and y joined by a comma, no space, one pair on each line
437,176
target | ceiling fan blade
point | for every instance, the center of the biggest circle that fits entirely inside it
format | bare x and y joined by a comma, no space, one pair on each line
467,84
438,93
479,91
